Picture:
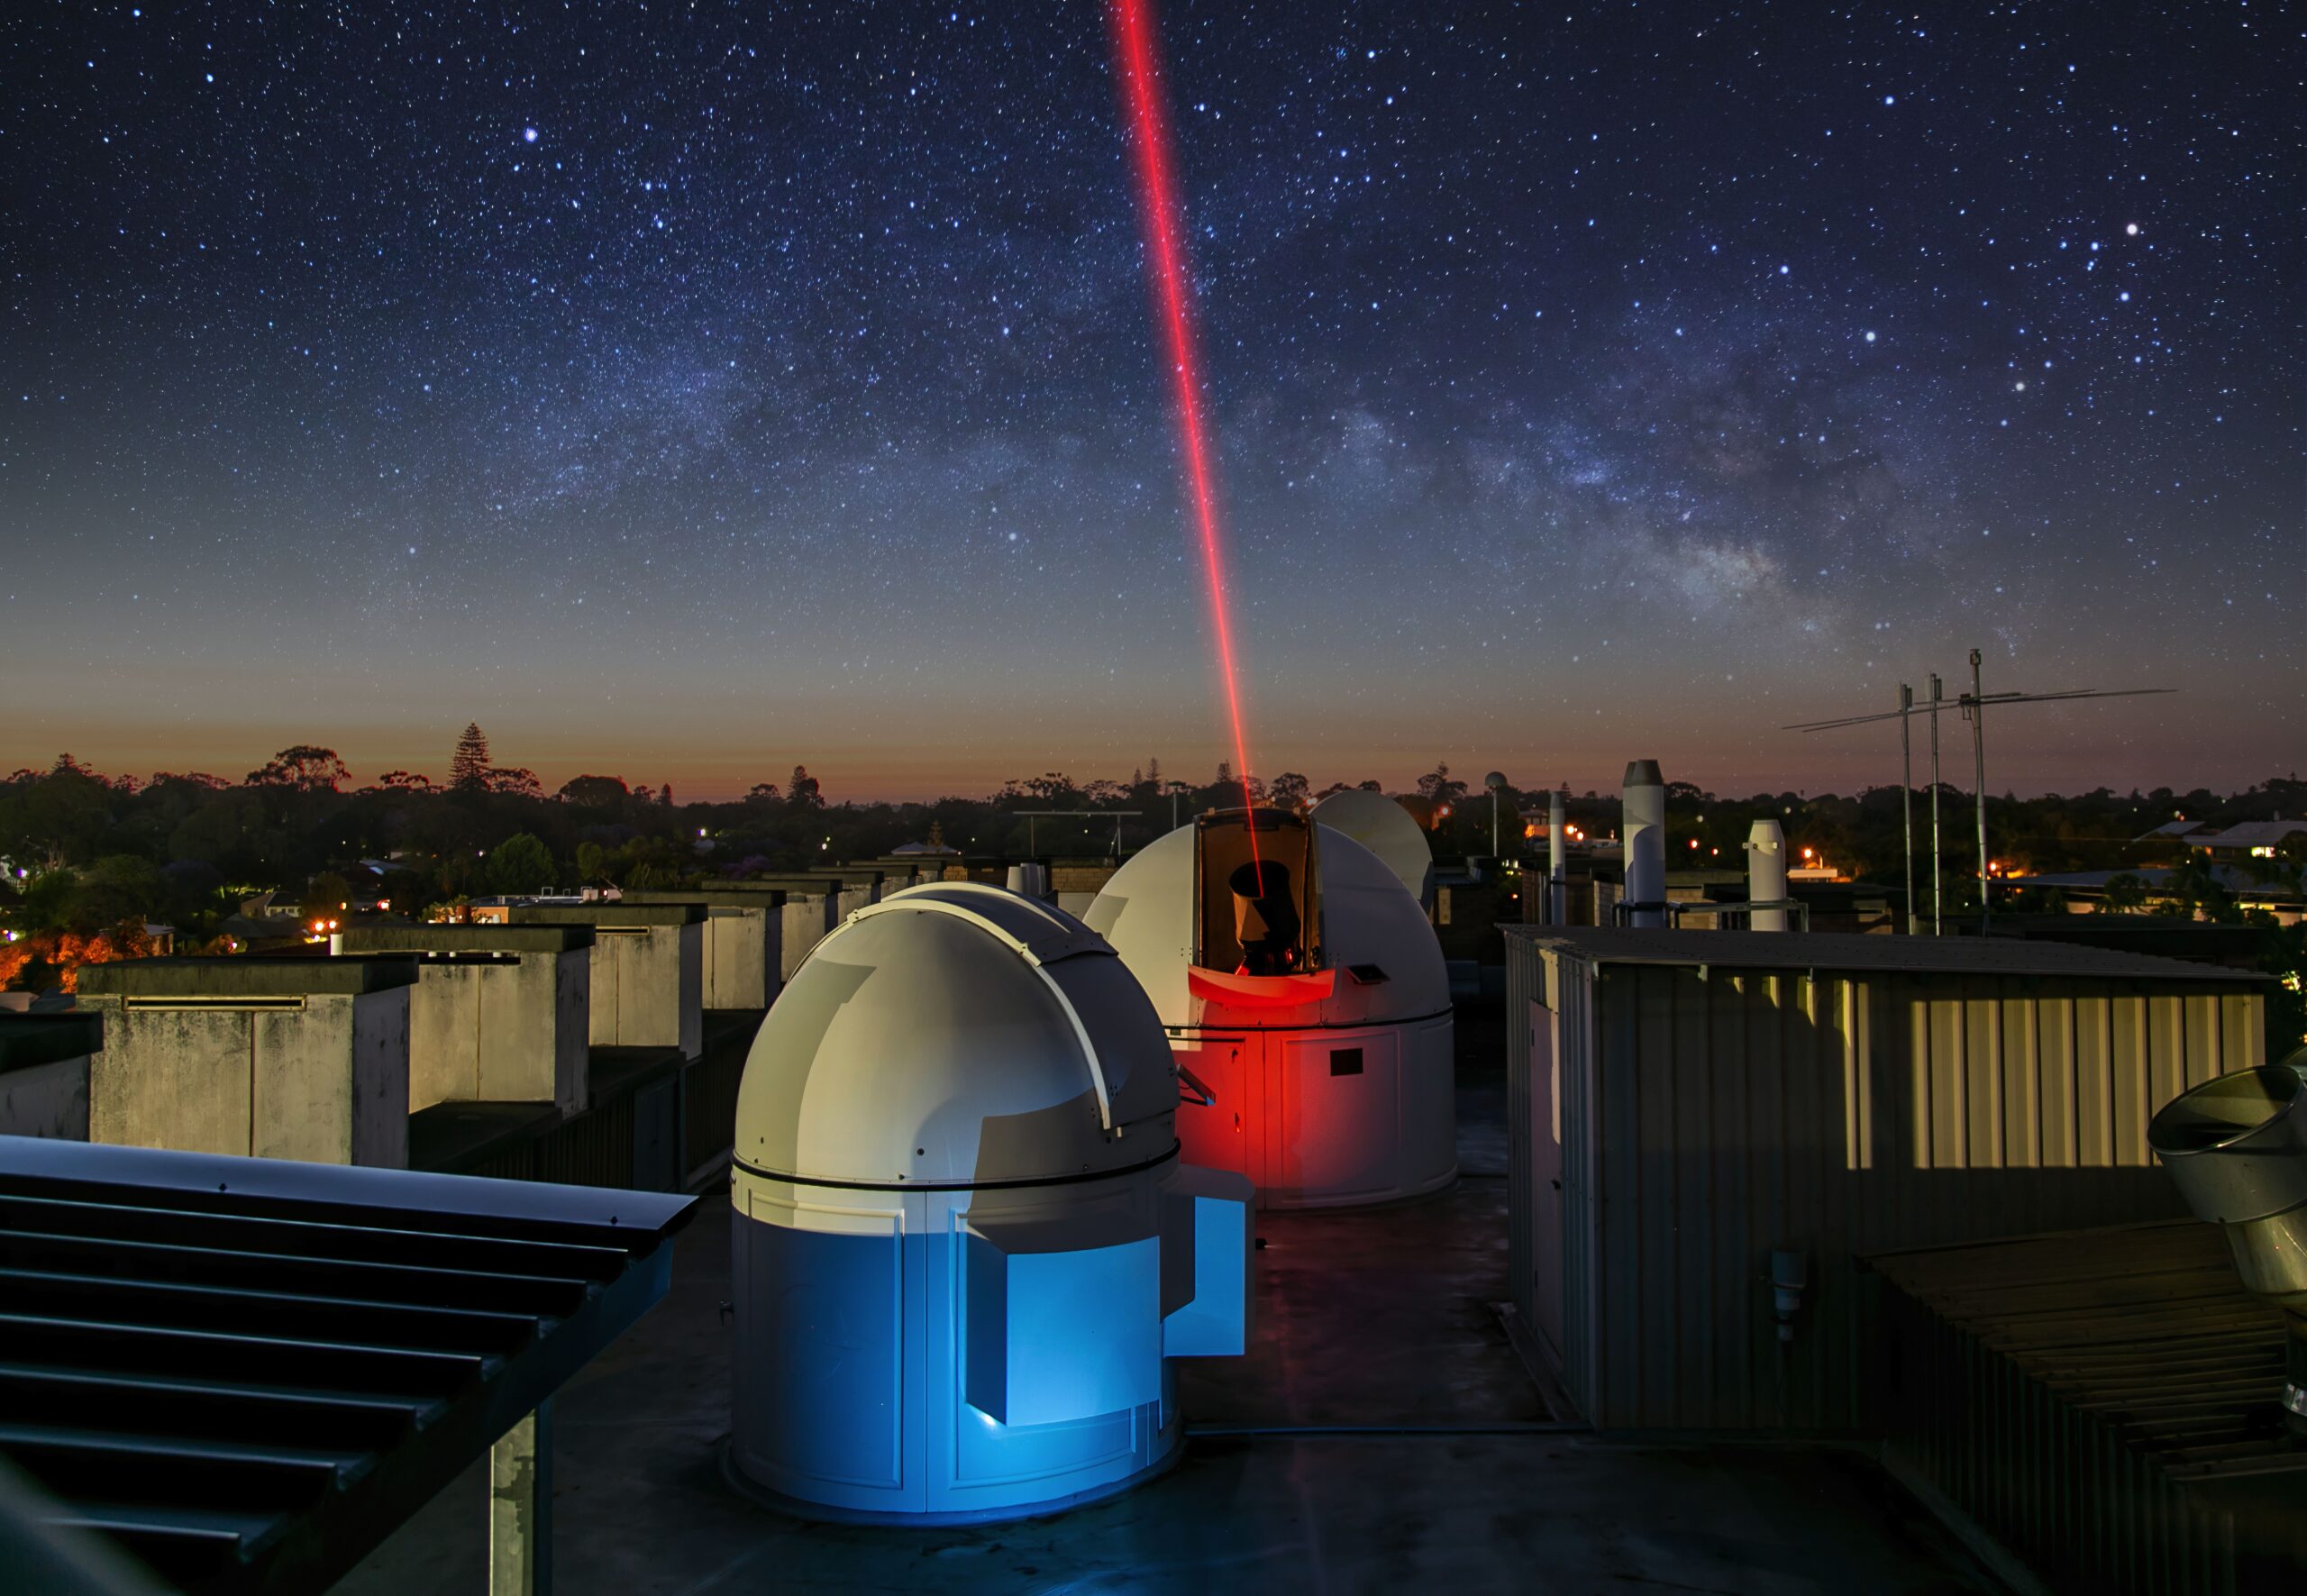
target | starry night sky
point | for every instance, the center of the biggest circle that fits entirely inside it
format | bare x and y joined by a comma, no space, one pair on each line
687,390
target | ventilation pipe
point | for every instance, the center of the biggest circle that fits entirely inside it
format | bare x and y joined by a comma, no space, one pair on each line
1557,871
1767,874
1642,825
2237,1146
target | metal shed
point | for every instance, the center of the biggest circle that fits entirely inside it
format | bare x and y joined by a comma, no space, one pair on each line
1708,1127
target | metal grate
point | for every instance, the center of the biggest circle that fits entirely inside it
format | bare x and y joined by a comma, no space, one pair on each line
2104,1401
248,1372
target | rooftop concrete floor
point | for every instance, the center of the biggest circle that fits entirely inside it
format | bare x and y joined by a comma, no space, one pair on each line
1379,1319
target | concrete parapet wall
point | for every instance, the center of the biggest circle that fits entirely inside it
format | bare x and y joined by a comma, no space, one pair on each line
325,1081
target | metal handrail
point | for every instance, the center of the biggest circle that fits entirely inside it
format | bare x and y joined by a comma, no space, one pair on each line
1801,907
1675,908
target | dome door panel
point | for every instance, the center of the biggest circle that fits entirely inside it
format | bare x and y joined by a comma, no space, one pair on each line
1339,1127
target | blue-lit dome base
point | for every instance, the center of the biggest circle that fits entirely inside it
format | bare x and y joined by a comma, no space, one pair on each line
965,1357
1168,1450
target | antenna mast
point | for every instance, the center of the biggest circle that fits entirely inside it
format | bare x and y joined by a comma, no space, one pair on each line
1973,705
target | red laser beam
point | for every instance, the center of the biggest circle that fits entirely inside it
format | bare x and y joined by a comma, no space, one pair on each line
1132,26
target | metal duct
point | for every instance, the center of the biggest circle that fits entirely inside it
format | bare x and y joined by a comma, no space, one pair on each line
1557,871
1643,826
2237,1146
1767,874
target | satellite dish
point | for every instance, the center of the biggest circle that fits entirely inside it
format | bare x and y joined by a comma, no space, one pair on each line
1385,828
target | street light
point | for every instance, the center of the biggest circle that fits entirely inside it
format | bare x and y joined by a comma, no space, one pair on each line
1495,781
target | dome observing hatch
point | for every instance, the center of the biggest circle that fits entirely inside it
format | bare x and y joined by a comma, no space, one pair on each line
956,1032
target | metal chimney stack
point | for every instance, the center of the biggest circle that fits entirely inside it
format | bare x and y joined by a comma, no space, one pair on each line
1643,827
2237,1146
1767,874
1557,868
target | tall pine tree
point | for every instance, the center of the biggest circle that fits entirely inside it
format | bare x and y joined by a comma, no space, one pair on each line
469,766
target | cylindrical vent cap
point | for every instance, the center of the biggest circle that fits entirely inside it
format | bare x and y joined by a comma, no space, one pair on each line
2237,1146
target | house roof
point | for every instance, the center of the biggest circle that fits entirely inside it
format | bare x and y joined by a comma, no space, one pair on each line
2249,834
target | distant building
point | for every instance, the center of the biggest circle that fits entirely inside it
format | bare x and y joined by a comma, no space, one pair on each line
2247,839
2086,890
935,845
2168,829
2252,839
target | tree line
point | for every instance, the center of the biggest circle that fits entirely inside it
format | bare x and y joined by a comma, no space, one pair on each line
91,858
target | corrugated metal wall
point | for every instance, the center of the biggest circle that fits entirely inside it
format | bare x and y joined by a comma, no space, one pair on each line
1526,988
1709,1117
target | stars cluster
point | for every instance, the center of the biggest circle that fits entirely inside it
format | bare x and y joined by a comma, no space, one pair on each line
1777,351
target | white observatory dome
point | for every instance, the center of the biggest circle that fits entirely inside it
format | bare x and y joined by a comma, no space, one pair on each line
1385,828
956,1032
1331,1083
965,1247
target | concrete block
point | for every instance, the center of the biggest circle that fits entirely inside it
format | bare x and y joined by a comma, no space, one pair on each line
807,918
499,1014
44,1073
648,979
302,1058
744,937
742,941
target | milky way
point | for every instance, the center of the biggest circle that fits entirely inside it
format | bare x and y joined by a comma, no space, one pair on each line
705,387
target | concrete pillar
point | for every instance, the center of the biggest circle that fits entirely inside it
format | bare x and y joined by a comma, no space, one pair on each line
1642,825
269,1057
520,1507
